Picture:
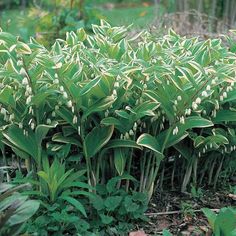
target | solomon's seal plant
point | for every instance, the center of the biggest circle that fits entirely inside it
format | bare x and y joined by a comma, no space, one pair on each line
116,108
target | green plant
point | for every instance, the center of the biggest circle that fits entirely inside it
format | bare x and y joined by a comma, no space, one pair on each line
196,192
58,191
187,210
100,103
166,232
115,209
15,209
55,19
223,223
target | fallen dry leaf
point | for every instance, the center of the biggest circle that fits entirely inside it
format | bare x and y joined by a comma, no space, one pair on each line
233,196
137,233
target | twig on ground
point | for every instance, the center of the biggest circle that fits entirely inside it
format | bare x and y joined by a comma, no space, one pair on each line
153,214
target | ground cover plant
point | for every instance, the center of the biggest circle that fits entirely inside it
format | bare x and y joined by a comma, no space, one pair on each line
99,122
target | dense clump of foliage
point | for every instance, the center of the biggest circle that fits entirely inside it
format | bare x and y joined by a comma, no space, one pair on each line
98,119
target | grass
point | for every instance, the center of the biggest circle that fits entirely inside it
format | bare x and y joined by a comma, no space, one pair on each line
12,20
140,17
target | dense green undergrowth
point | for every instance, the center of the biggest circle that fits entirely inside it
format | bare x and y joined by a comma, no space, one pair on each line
99,122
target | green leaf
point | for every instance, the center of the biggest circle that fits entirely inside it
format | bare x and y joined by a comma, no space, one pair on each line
190,122
106,219
114,121
130,205
89,86
16,138
117,143
96,139
100,105
119,160
6,96
75,203
225,222
148,141
111,184
111,203
211,216
98,203
24,212
225,116
166,232
42,130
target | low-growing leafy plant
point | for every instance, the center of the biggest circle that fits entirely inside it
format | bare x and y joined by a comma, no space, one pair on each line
116,209
15,209
223,223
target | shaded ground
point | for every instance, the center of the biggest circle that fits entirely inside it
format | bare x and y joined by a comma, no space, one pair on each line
181,214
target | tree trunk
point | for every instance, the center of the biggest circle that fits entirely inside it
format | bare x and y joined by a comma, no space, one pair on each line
200,6
213,15
23,5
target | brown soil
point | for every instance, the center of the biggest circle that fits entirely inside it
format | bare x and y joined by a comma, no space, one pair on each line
191,221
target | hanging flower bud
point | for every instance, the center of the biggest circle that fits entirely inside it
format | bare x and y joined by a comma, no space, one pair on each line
28,89
204,94
19,63
56,81
208,88
194,105
131,132
135,126
65,96
106,113
161,126
11,117
175,130
20,125
28,100
48,121
25,81
182,121
198,100
61,89
3,111
114,93
56,76
116,85
74,120
31,110
213,82
69,104
22,71
126,135
224,94
179,98
221,98
32,125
